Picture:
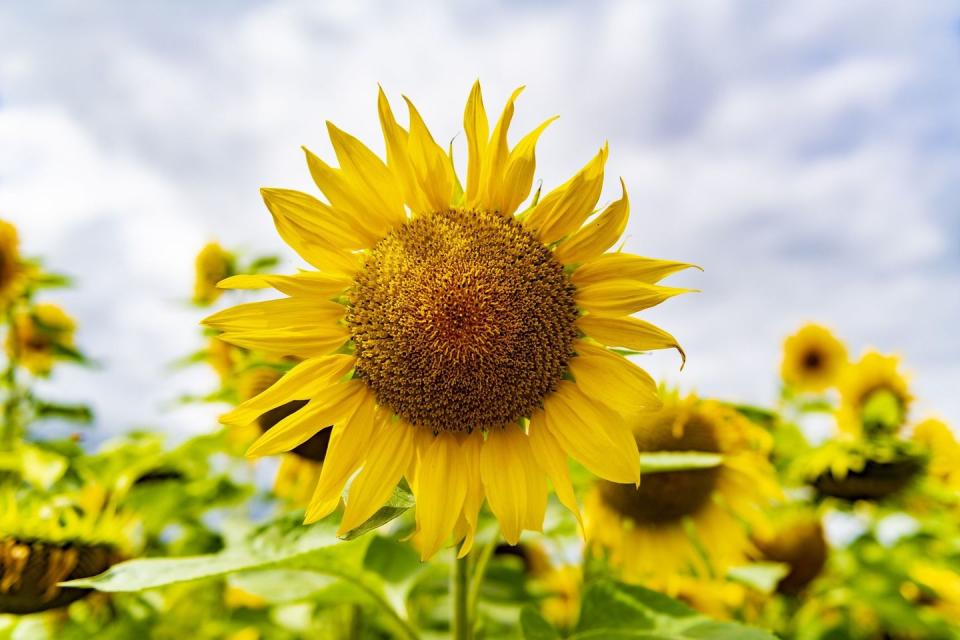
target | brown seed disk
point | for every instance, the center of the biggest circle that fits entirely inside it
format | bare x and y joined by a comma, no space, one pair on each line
462,320
671,495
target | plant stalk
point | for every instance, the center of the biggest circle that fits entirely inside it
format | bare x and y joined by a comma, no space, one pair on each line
459,591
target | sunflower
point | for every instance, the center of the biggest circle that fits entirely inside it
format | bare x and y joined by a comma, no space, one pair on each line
40,336
855,469
874,396
796,540
943,448
812,359
678,521
12,270
213,264
448,338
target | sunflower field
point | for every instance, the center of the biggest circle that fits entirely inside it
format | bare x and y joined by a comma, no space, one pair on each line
433,422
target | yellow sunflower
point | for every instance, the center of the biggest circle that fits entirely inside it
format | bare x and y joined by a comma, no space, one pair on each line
874,396
943,448
40,336
796,540
449,334
812,359
12,270
694,520
213,264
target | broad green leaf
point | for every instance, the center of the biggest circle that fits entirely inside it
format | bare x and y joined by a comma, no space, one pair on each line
40,467
535,626
662,461
400,501
77,413
392,560
762,576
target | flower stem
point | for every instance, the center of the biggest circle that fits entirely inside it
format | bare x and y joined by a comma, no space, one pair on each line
459,592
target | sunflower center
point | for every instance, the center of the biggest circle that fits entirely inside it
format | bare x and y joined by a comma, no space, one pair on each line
813,360
671,495
462,320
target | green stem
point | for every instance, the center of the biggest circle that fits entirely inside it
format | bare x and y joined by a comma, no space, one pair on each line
400,625
10,428
479,571
459,592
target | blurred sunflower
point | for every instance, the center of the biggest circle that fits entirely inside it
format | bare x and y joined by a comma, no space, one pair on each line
213,264
860,469
719,599
13,272
40,336
874,396
812,359
796,539
45,541
444,335
943,448
678,521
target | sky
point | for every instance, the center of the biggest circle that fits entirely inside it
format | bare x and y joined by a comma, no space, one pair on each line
806,154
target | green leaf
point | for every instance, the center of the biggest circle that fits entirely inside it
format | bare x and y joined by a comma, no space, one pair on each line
762,576
392,560
261,264
400,501
51,281
661,461
759,415
78,413
535,626
40,467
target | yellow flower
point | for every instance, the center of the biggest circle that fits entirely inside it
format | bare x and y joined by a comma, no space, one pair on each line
212,265
874,396
812,359
12,270
39,337
944,450
561,604
719,599
945,585
444,334
654,531
796,540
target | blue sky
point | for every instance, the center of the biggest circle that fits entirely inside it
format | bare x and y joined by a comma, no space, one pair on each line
807,154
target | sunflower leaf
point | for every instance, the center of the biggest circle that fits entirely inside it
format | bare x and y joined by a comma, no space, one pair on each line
400,501
535,626
663,461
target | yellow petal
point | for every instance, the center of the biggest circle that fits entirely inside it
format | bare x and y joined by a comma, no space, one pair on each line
316,217
494,160
629,333
625,266
477,128
318,252
338,402
430,164
366,171
574,420
623,297
319,341
613,380
300,383
359,208
398,157
304,284
282,313
349,443
553,460
388,458
563,210
516,488
518,174
598,235
471,447
441,488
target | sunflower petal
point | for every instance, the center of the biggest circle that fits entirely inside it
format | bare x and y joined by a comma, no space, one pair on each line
317,251
360,209
304,284
337,403
629,333
553,460
441,489
385,463
430,164
319,341
574,420
478,131
613,380
367,172
623,297
315,217
597,235
625,266
471,447
398,157
518,174
563,210
282,313
516,488
495,160
300,383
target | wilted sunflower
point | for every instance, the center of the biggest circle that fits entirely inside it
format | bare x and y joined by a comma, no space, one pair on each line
12,270
447,337
812,359
213,264
874,396
691,520
40,336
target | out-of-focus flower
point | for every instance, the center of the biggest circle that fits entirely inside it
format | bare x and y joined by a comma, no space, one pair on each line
213,264
795,539
40,336
812,359
874,396
944,450
13,272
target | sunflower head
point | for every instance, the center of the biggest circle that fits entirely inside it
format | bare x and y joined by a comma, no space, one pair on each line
40,336
796,540
812,359
677,511
874,396
853,469
212,264
942,447
12,270
449,333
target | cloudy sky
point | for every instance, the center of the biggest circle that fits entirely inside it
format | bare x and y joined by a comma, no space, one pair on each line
807,154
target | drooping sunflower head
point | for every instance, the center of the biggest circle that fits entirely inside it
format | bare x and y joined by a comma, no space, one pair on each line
854,469
40,336
456,333
12,270
797,540
212,264
874,396
654,530
812,359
